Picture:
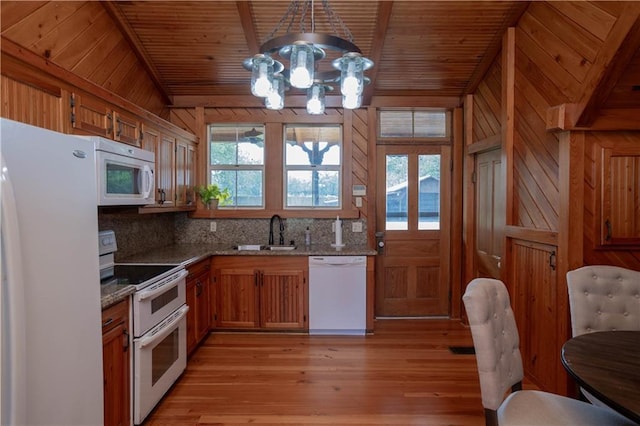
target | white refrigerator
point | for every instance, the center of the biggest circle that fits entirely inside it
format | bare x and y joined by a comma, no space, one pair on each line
51,345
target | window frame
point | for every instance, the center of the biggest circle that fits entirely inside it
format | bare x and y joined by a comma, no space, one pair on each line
236,167
274,165
438,140
338,168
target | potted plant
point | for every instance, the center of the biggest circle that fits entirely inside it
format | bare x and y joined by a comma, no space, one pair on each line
211,195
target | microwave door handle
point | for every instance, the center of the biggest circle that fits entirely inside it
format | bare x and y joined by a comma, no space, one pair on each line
148,181
166,330
161,287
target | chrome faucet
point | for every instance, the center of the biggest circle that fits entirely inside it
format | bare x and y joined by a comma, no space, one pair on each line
281,223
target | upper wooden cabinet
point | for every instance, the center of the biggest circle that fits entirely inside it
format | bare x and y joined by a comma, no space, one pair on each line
175,166
94,116
620,196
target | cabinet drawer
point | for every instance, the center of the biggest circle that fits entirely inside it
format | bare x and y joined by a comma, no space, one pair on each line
115,315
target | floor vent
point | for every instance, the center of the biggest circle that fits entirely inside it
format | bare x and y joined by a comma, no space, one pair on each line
462,350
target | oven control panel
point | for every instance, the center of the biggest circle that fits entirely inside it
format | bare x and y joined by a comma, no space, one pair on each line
107,242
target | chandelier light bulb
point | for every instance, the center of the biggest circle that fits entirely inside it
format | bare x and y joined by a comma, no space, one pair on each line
275,98
315,99
302,65
351,101
261,75
351,74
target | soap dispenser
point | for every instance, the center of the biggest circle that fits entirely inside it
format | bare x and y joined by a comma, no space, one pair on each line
307,237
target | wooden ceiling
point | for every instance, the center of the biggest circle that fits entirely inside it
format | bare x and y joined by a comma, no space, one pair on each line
420,48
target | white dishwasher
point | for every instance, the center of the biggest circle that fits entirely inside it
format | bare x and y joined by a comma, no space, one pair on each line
337,295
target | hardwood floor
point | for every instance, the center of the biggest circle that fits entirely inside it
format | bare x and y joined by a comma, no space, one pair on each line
402,374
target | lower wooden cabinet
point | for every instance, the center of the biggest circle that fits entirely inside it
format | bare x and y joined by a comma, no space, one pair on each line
116,364
198,300
260,292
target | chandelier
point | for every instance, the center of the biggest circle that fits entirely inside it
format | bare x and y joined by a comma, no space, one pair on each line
303,51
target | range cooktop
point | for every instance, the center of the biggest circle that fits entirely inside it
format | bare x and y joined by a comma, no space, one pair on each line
136,274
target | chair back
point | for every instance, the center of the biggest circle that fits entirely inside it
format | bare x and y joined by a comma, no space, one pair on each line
603,298
495,338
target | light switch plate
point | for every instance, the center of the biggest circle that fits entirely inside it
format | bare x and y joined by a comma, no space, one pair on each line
213,226
356,227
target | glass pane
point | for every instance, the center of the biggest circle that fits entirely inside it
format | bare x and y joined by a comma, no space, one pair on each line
396,124
430,124
311,188
250,153
164,355
223,153
245,186
397,176
313,145
429,192
313,153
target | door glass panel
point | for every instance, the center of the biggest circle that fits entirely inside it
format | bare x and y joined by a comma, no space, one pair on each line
429,192
164,355
397,173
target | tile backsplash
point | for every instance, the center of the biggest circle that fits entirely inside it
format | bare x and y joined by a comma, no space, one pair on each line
136,233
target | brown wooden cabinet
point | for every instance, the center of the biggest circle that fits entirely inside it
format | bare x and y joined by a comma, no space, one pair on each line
261,292
198,300
90,115
175,166
620,196
115,362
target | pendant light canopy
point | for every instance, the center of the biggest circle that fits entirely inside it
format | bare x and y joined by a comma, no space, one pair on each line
303,51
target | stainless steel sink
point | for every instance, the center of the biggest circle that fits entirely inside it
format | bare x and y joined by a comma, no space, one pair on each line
256,247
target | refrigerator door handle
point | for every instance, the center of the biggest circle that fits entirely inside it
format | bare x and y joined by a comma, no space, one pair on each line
12,310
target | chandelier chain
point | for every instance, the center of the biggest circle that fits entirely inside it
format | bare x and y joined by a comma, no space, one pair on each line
294,9
333,18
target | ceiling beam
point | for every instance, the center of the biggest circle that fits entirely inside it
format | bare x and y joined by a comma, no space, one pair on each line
618,51
490,55
246,20
382,24
136,45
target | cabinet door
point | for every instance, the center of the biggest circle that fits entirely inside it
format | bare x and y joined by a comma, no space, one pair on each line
203,311
238,298
126,128
91,116
165,164
192,338
185,172
282,299
620,193
115,364
539,306
151,142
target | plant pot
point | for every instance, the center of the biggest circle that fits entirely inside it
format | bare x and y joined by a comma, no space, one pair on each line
211,205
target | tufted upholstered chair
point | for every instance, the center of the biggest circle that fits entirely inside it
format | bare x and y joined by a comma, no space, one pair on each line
497,345
603,298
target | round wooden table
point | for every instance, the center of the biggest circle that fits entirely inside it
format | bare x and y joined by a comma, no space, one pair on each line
607,364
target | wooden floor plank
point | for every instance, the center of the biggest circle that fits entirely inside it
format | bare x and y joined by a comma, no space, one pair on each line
403,374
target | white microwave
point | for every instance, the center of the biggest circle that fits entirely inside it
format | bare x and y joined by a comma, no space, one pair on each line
125,174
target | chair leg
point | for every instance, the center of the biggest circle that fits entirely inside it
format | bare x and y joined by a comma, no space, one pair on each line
490,417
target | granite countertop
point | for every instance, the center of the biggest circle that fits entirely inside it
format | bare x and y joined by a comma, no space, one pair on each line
187,254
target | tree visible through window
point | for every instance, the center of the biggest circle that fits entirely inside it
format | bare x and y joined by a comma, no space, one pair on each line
313,159
237,162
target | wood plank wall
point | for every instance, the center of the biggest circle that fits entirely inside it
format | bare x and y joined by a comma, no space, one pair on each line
81,37
487,105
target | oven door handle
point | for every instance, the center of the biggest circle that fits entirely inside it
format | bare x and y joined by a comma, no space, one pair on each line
166,329
162,286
